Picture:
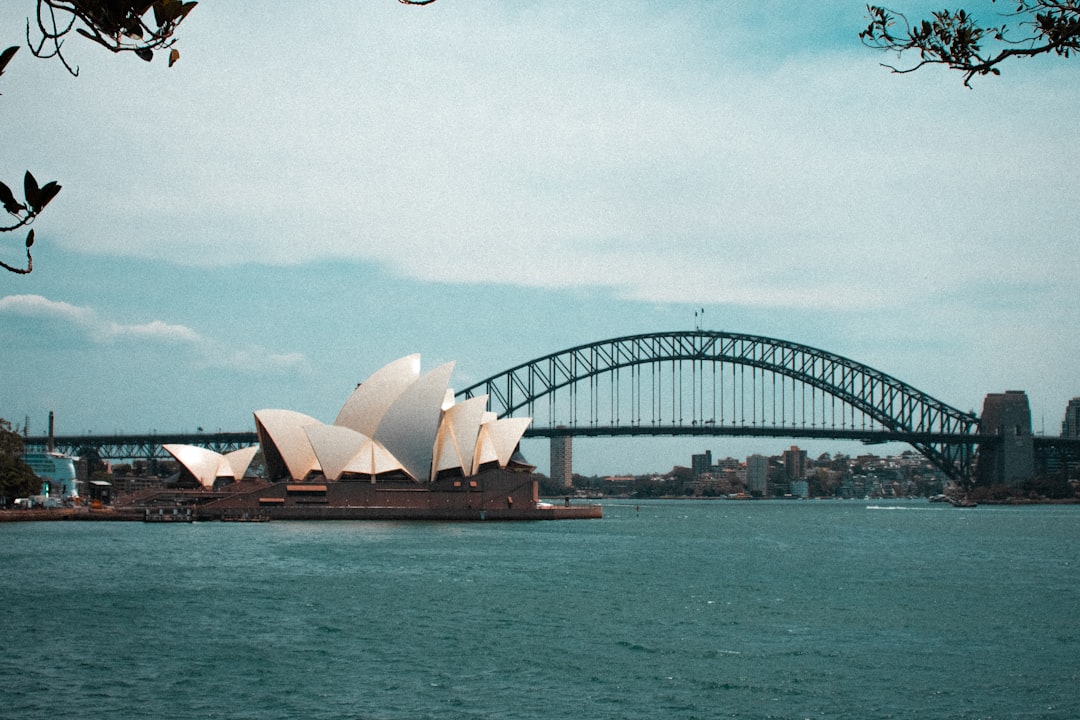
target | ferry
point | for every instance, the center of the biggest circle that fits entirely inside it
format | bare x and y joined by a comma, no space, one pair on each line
57,473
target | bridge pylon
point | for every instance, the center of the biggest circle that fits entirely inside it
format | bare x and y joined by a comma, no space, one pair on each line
1011,459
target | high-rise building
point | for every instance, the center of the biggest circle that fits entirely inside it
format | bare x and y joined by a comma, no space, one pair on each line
795,463
1070,427
701,464
757,475
562,460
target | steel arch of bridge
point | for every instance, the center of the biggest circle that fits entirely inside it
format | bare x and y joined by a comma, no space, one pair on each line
678,366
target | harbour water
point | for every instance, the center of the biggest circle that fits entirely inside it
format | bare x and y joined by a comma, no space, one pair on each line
663,609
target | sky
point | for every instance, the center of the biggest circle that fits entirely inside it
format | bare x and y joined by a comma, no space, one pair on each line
316,189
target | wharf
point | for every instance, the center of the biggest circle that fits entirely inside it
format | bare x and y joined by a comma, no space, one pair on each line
495,496
169,515
327,512
107,514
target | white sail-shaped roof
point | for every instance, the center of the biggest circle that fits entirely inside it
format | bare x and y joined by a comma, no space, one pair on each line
239,461
207,465
498,439
282,436
458,431
410,425
373,459
485,448
334,447
506,434
200,462
341,450
371,399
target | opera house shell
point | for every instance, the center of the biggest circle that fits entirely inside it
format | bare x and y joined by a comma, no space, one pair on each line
400,447
210,468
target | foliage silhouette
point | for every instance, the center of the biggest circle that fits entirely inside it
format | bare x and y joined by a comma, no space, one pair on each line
956,40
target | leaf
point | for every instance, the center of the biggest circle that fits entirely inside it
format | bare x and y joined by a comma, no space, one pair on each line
5,57
171,12
30,239
30,189
165,11
8,199
145,53
133,27
46,194
174,55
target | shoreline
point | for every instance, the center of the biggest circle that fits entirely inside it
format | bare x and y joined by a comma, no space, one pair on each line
543,512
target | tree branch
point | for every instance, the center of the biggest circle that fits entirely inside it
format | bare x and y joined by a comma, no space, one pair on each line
118,26
20,271
955,39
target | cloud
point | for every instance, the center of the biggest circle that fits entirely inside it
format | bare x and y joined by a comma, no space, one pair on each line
93,326
38,307
202,351
253,359
670,154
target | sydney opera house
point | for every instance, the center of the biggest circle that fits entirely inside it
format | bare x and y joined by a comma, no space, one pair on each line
400,448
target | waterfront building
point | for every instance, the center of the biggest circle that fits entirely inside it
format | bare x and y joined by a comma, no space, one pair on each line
728,464
794,464
701,464
400,448
757,475
396,425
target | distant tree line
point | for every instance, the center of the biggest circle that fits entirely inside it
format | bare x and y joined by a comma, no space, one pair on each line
16,478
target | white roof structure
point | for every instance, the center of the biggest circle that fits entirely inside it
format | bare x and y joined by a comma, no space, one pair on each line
409,426
373,459
284,442
370,400
341,449
498,439
484,452
456,442
240,460
395,421
207,466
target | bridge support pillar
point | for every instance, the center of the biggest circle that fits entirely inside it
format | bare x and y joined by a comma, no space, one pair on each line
1011,460
562,460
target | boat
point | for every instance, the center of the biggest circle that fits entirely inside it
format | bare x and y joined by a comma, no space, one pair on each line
57,474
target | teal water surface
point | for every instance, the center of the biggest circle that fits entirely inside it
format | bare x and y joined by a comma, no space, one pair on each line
663,609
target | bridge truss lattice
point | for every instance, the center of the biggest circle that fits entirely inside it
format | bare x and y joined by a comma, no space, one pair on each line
720,383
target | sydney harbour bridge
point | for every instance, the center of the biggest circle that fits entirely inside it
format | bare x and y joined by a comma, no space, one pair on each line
702,382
